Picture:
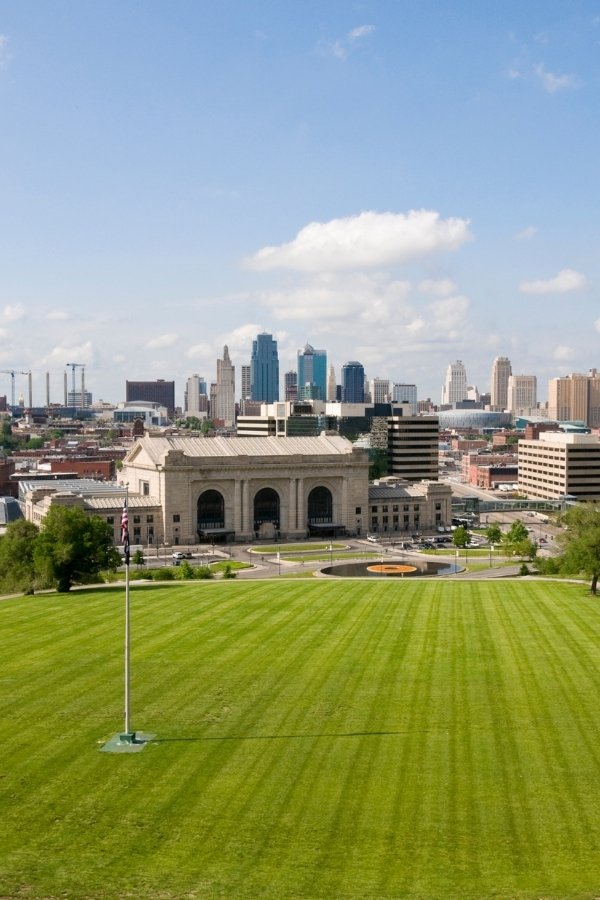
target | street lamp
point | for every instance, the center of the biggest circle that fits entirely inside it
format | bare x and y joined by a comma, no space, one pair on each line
330,553
279,560
491,551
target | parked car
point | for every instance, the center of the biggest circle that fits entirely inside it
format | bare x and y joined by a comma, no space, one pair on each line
182,554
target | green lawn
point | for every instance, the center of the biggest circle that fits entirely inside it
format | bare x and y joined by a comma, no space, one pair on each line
315,739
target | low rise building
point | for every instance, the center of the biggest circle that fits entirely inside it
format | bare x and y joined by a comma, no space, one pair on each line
397,507
560,464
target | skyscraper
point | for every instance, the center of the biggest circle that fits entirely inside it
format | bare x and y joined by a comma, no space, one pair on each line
159,391
195,388
331,385
522,393
575,397
264,365
291,385
312,374
223,408
501,372
379,388
246,382
353,382
405,393
455,386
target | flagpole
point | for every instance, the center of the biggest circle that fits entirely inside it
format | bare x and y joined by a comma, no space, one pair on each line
127,634
127,741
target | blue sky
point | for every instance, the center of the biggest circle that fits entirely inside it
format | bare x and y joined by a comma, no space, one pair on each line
403,183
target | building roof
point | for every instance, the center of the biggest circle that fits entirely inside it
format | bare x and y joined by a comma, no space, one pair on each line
397,491
78,486
134,501
157,447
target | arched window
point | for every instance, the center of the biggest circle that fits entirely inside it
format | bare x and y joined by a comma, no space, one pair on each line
266,508
211,511
320,506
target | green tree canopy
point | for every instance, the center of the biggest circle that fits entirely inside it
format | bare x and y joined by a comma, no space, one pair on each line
17,567
518,543
73,547
580,542
461,536
493,533
138,558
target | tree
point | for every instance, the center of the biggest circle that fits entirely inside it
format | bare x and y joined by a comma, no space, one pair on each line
518,543
73,547
461,536
192,423
17,566
138,558
493,533
580,542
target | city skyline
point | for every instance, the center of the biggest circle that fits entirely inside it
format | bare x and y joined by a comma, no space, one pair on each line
399,185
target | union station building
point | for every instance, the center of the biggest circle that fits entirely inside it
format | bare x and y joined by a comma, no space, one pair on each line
238,489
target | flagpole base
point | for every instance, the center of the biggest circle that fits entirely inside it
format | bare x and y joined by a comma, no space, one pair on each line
127,742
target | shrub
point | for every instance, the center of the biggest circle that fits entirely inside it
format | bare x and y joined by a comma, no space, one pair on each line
185,571
163,574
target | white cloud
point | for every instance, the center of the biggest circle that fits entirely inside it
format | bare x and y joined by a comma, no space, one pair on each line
567,281
342,47
62,356
200,351
441,287
361,32
449,315
334,298
563,353
526,234
13,313
365,240
57,315
163,340
552,83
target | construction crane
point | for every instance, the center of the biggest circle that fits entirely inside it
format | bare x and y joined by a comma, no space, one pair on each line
12,373
74,366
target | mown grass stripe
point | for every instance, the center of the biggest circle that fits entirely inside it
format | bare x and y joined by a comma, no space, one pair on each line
546,765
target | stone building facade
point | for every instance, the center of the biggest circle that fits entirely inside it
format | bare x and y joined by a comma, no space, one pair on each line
242,488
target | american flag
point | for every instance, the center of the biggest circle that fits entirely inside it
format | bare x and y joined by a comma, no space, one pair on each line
125,532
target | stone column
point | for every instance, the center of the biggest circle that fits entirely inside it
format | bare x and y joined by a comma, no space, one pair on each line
246,518
344,515
237,506
291,524
300,505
